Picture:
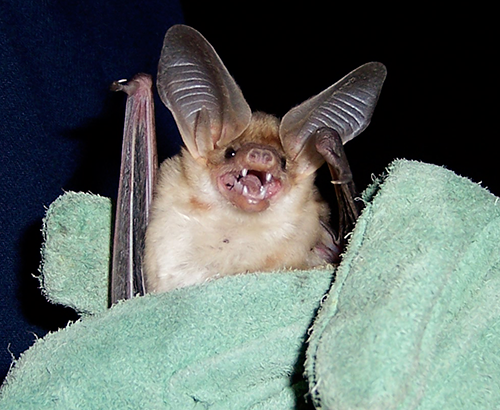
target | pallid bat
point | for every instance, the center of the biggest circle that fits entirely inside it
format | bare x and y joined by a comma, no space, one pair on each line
240,197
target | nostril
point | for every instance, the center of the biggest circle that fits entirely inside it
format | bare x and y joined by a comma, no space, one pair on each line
267,157
254,155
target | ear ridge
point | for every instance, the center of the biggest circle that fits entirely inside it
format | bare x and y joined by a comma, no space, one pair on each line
192,77
346,106
204,142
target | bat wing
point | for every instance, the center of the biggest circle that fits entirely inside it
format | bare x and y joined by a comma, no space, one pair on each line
194,84
346,107
137,178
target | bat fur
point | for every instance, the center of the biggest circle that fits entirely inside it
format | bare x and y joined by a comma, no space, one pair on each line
240,197
196,233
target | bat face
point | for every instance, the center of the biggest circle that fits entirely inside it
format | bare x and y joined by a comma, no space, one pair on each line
251,171
241,196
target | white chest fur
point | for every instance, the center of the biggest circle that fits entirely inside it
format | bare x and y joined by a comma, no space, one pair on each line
194,235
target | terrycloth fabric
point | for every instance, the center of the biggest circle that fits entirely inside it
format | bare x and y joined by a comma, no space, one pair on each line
412,322
76,252
413,319
234,343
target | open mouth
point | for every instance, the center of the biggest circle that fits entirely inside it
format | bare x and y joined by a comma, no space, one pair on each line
249,187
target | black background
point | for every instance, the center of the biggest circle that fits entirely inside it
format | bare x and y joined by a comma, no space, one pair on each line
61,128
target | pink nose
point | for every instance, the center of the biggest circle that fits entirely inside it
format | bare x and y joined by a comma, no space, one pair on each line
260,156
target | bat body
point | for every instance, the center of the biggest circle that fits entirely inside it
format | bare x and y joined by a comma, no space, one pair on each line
218,216
240,197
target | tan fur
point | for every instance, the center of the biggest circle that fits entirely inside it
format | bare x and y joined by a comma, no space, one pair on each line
196,234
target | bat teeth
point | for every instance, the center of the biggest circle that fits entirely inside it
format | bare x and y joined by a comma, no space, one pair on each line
244,172
263,192
268,177
261,195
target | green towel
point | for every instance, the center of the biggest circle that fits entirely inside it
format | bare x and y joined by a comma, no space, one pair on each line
412,320
76,252
234,343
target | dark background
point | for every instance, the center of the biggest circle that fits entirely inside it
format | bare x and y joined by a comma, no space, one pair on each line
60,127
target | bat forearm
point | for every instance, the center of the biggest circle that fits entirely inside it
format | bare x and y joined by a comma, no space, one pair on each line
137,178
330,146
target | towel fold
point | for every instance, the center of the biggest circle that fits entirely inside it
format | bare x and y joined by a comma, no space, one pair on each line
412,320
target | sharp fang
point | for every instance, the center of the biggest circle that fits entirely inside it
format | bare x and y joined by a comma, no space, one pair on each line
262,192
268,177
244,172
245,190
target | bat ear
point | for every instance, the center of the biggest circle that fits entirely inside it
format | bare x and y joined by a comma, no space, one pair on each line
346,107
194,84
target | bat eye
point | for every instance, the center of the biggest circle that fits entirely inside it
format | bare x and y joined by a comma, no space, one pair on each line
230,153
283,163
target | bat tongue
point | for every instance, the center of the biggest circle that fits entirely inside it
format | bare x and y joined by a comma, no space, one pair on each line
249,190
251,185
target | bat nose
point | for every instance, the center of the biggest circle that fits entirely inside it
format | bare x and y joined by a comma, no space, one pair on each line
261,156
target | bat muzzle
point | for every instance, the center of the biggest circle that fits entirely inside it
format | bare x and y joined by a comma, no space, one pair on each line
250,189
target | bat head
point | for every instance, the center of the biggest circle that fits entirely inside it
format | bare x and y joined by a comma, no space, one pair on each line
251,171
254,159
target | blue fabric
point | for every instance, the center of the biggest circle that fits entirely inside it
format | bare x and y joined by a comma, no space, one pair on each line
57,60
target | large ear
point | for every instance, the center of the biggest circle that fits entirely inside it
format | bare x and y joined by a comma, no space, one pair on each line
193,83
346,107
